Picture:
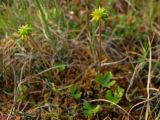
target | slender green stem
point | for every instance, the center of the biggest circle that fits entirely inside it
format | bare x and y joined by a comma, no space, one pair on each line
45,24
99,40
94,41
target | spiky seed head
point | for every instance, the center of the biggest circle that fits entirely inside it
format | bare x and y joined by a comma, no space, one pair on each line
98,14
25,31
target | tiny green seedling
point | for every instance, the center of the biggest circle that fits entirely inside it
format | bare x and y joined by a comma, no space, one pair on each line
74,92
59,66
54,89
22,90
115,96
25,31
90,110
105,80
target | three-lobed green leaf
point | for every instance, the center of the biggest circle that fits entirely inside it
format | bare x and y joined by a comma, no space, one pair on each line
115,96
90,110
74,92
104,80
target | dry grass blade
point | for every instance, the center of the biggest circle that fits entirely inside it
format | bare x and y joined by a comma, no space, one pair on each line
149,82
143,102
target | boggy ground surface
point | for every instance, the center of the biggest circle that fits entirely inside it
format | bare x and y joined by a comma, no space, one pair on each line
57,71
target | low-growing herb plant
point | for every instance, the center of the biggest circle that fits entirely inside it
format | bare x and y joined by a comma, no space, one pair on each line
25,33
115,96
74,92
90,110
98,16
105,80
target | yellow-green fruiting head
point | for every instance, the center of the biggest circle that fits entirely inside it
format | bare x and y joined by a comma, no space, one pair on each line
25,31
98,14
